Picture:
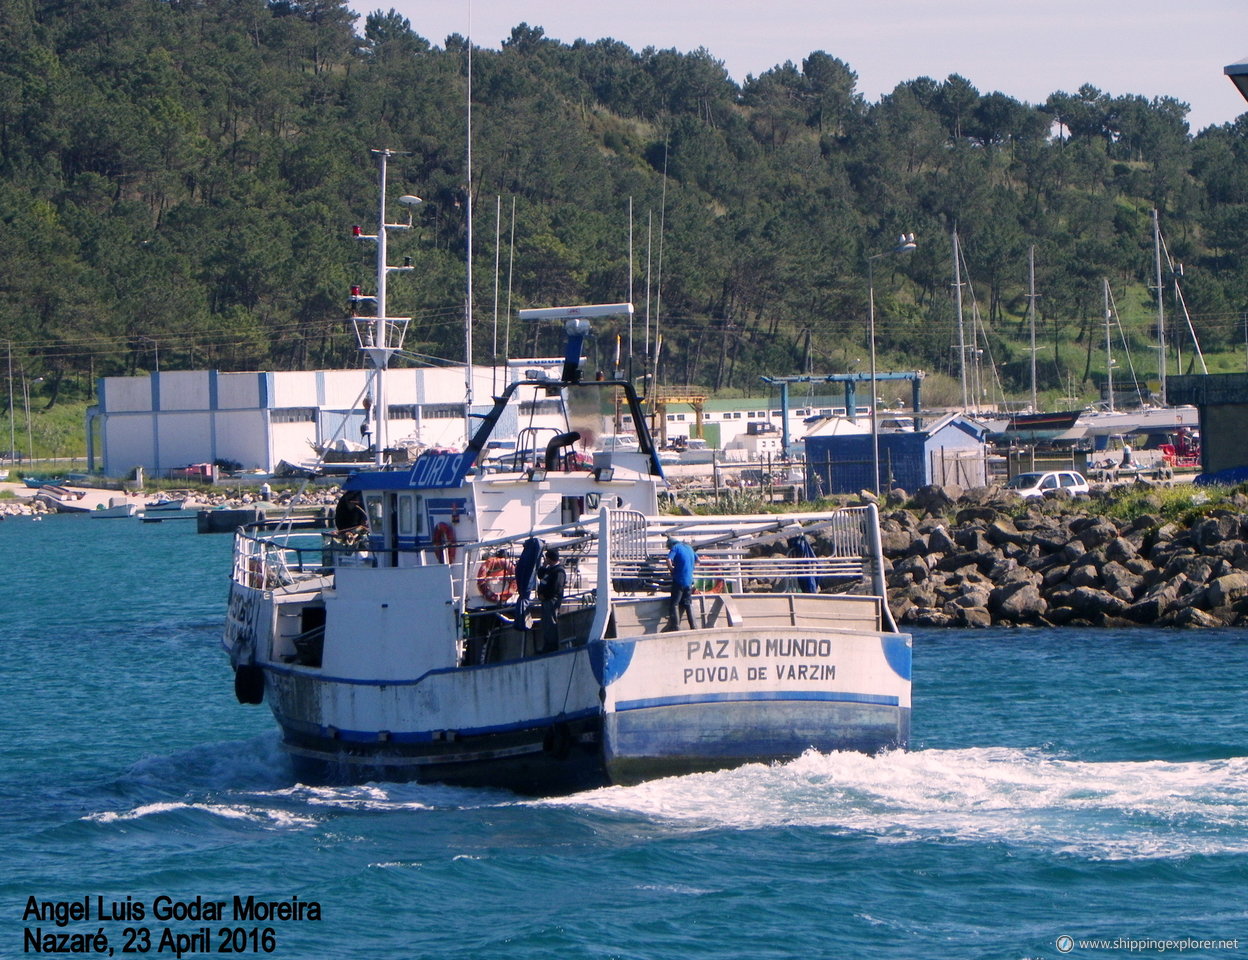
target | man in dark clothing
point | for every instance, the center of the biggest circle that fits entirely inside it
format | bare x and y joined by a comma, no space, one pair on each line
680,561
551,580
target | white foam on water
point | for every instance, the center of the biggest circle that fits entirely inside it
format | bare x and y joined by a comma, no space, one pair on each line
361,797
265,816
1107,810
391,796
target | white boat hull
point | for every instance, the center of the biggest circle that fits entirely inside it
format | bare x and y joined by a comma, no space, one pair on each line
699,700
614,711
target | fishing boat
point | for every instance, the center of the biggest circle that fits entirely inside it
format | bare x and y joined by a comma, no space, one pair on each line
117,507
164,505
409,643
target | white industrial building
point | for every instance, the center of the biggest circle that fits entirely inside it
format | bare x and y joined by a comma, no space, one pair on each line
166,421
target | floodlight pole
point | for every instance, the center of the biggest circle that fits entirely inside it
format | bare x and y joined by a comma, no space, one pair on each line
905,244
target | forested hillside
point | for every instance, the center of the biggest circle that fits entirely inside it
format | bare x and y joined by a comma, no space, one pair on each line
178,180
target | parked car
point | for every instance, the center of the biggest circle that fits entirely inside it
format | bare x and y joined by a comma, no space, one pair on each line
1031,485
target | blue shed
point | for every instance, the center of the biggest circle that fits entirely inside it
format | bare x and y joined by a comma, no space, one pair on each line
950,450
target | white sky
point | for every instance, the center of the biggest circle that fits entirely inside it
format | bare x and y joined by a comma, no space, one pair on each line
1026,49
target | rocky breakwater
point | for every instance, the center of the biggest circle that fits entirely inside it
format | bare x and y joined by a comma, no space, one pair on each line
984,558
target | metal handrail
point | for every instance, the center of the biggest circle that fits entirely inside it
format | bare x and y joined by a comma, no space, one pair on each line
720,542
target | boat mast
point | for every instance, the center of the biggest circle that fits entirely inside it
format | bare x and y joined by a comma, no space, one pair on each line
1031,315
468,271
1109,357
957,285
1161,310
380,336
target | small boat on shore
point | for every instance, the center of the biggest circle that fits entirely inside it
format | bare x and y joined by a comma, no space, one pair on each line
1030,427
60,500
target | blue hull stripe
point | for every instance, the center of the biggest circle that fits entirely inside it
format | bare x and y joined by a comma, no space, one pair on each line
427,736
821,696
305,673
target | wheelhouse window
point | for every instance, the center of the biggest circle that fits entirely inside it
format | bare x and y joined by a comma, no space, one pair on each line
373,504
407,515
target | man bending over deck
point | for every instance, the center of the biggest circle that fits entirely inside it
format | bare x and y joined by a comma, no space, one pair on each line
680,561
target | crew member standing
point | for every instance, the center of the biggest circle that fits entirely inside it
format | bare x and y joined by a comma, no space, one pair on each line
551,580
680,561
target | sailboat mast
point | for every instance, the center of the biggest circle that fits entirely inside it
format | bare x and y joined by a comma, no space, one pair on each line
1031,316
957,285
1109,357
468,270
1161,310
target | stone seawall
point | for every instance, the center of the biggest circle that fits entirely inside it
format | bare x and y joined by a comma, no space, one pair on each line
1054,562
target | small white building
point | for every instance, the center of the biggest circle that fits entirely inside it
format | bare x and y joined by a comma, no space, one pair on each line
165,421
726,423
761,439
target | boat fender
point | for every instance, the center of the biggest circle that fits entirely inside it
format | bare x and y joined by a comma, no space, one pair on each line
249,683
558,742
444,541
496,579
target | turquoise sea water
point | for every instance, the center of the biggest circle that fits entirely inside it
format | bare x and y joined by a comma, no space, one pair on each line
1090,784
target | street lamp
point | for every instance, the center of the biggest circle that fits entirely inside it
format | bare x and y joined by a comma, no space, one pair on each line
905,244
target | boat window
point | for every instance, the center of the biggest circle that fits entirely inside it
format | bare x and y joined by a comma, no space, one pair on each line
406,528
571,509
373,501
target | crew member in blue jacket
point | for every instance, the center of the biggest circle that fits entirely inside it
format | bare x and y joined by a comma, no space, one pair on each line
680,561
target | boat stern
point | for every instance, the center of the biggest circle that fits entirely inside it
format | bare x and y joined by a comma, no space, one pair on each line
683,702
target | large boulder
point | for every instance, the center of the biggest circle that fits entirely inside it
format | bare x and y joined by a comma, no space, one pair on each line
1218,526
1018,602
1084,575
1120,581
1221,592
936,499
1088,602
939,542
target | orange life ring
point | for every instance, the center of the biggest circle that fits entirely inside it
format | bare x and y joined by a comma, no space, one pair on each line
444,541
496,579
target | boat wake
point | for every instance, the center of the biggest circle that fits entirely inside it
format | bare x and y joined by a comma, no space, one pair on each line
244,813
257,763
251,783
1026,798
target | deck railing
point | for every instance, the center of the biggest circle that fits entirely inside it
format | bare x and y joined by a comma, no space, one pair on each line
741,553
